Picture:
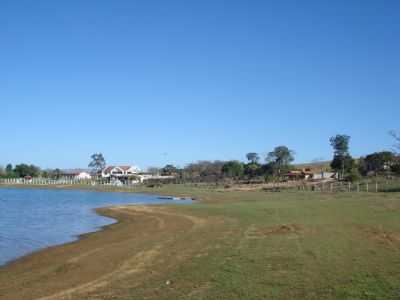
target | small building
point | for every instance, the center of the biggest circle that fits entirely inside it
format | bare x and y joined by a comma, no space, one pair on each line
121,173
294,175
28,178
145,177
324,175
75,174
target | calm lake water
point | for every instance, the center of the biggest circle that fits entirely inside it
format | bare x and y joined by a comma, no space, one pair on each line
32,219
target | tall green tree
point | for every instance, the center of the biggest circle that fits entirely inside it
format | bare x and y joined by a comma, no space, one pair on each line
396,169
169,170
23,170
342,165
340,144
341,156
55,174
280,158
9,170
233,169
97,162
253,157
252,170
379,161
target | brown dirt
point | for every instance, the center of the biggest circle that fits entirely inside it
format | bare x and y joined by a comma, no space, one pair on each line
382,236
253,232
145,243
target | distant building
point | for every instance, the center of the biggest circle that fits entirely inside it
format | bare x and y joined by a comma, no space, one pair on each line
120,172
307,174
144,177
298,175
324,175
77,174
131,174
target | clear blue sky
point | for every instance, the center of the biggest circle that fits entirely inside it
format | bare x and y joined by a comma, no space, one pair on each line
156,82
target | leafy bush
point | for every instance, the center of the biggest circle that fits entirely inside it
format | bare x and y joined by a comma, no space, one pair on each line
396,169
354,175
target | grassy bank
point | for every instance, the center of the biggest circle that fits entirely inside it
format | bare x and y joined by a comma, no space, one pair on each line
304,246
231,245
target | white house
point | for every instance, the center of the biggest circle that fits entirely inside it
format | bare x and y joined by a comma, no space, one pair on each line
119,171
145,177
324,175
78,174
83,175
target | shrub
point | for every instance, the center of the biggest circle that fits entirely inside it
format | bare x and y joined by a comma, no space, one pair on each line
396,169
354,175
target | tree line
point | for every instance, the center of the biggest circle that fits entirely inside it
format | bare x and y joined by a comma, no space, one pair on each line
278,162
28,170
273,166
20,170
97,163
377,163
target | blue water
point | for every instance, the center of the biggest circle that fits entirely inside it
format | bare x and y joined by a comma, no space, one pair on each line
32,219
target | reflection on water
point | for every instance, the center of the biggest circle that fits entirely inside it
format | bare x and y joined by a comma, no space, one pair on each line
32,219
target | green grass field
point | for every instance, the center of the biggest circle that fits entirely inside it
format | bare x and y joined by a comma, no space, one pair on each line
279,245
295,246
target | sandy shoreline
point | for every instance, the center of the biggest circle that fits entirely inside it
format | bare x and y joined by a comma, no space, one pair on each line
130,249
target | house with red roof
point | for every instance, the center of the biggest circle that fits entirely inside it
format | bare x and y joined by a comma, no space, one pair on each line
120,172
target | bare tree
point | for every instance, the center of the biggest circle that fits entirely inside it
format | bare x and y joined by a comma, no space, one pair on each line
396,136
204,169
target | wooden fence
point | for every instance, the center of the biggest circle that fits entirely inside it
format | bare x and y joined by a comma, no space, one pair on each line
366,186
374,186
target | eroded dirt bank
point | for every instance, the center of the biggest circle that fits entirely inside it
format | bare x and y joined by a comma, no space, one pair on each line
143,246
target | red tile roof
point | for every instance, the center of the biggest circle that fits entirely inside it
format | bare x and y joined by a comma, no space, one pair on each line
108,169
125,168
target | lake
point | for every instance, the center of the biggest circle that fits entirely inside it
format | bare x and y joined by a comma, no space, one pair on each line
33,219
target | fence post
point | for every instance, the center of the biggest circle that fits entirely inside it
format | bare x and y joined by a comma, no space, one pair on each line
358,187
367,187
349,186
376,186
